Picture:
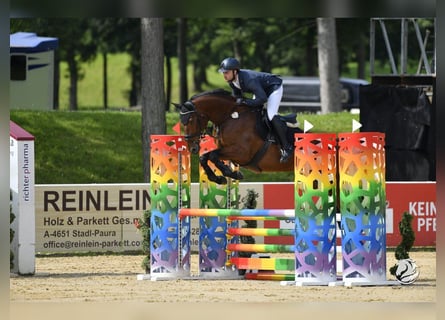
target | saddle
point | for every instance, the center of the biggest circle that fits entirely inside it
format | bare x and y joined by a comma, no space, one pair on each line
264,127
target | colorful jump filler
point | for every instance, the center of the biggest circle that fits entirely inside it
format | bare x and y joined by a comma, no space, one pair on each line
214,257
170,190
362,205
270,264
315,214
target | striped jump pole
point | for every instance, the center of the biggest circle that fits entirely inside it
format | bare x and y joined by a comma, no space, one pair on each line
261,247
271,264
212,245
241,213
315,215
362,206
260,232
170,182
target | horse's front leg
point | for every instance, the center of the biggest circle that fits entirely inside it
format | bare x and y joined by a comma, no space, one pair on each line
203,159
225,169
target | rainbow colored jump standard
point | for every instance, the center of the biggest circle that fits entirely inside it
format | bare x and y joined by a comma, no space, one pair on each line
170,190
315,216
362,206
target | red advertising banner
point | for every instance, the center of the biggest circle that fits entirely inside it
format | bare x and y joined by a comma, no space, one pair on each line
419,200
416,198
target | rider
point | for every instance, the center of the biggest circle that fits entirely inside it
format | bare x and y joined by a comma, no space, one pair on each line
265,87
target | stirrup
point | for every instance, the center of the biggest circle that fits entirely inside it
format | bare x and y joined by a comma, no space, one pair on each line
285,154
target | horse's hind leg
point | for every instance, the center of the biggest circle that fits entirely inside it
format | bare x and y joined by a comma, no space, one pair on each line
225,169
209,172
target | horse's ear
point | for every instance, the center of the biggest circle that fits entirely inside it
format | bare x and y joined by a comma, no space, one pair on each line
177,105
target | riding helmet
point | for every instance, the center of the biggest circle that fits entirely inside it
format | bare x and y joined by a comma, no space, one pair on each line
229,64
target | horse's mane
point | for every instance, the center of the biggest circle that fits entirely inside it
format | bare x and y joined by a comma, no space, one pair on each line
218,92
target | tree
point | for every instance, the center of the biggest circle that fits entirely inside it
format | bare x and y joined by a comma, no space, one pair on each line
352,41
153,101
114,35
199,42
103,33
170,50
182,59
133,47
77,46
328,66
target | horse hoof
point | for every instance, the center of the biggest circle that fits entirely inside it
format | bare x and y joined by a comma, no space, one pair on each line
238,175
220,180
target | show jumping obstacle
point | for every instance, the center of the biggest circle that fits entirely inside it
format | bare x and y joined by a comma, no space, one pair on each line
214,260
347,172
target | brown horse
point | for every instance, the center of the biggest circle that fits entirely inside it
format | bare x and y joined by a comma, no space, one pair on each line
241,134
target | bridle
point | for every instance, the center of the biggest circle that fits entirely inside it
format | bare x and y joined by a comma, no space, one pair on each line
185,117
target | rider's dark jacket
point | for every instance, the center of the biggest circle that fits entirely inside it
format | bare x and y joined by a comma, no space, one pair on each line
260,84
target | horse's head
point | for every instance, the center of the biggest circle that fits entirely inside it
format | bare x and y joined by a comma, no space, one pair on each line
215,106
194,124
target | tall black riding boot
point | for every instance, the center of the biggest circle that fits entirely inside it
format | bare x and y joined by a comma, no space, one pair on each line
280,130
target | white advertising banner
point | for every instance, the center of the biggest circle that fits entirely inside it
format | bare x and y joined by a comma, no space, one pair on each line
95,217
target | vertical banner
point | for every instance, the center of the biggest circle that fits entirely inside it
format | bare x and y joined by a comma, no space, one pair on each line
170,191
213,255
315,197
21,172
362,206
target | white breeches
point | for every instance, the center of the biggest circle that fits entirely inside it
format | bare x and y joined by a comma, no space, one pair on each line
273,102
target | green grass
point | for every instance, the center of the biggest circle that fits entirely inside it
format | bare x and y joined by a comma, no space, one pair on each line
90,84
105,146
333,122
84,147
